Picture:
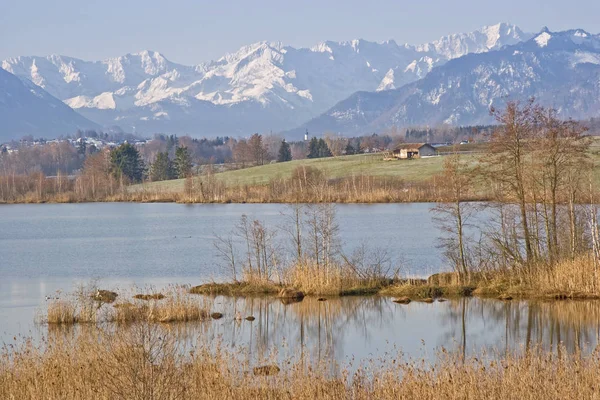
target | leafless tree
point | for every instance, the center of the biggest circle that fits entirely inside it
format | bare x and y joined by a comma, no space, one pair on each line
453,213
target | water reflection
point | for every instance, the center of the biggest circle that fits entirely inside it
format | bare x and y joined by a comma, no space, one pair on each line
340,330
360,328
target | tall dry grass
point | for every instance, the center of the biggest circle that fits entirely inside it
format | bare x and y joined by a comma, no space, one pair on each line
310,278
567,278
176,306
145,361
579,277
333,279
314,187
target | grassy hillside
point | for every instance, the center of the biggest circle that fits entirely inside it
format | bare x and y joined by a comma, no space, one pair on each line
416,170
333,167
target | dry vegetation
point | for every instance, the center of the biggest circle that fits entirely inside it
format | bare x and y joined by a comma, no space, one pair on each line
175,306
567,279
146,361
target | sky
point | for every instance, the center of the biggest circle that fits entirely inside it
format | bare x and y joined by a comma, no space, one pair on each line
195,31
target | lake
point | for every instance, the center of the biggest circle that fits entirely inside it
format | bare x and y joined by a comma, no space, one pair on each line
45,249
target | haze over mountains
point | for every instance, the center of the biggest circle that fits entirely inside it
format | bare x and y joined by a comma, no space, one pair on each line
262,87
348,87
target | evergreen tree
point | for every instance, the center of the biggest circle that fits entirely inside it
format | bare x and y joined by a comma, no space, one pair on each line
285,153
171,142
349,149
183,162
82,147
313,148
162,168
126,162
323,149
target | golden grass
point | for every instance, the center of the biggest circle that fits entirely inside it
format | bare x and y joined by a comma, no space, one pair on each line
575,278
145,361
568,279
332,280
176,306
310,279
62,312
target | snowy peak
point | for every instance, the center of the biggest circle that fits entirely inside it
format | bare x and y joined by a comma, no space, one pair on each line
482,40
565,40
543,38
282,82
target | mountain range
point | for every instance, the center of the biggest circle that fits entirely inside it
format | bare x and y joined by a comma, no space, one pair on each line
261,87
353,87
560,69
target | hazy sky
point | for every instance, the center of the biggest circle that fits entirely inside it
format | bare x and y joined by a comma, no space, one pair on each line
192,31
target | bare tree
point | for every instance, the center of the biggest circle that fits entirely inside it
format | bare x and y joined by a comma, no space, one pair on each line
226,251
509,157
453,213
294,228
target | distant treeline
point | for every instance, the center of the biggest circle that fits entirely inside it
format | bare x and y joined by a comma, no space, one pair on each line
158,157
448,134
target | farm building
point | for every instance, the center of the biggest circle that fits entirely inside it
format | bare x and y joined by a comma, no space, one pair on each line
414,150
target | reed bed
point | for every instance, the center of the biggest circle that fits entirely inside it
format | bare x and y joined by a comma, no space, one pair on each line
316,188
332,280
579,277
175,306
311,279
568,279
145,361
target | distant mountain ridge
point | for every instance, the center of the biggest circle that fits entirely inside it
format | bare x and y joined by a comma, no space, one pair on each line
560,69
27,109
261,87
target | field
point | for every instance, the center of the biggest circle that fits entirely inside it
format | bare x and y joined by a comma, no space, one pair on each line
365,165
334,167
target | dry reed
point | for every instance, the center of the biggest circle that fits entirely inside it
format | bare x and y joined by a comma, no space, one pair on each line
176,306
145,361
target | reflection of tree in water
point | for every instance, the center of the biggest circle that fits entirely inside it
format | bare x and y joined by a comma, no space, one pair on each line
521,325
311,328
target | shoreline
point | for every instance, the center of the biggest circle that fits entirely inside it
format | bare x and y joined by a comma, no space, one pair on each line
228,201
412,289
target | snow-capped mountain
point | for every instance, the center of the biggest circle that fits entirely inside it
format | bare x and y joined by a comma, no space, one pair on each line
559,69
263,86
27,109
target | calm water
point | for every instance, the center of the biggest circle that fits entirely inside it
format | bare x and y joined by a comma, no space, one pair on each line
50,248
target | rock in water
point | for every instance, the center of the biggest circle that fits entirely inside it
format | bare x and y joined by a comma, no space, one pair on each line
104,296
288,293
266,370
250,318
153,296
402,300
